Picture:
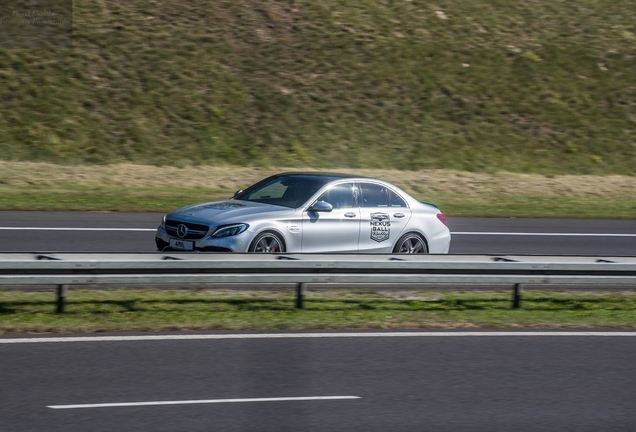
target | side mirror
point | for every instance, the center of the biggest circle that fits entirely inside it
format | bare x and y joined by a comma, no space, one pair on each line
321,206
237,192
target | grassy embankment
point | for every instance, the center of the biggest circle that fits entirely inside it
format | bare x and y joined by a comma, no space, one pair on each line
540,87
153,310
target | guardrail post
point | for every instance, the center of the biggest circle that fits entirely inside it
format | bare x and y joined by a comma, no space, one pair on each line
301,289
61,296
516,296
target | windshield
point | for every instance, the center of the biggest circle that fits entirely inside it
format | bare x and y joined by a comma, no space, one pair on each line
287,191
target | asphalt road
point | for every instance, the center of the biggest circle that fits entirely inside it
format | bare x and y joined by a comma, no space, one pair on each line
124,232
507,383
548,383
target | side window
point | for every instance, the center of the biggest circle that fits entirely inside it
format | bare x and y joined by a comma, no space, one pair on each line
395,200
373,195
339,196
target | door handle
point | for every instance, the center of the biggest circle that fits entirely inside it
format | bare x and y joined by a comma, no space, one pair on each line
398,215
350,215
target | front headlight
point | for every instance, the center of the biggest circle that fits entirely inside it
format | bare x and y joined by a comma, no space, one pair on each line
230,230
163,222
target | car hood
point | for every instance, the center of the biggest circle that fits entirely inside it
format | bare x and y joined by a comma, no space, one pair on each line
226,210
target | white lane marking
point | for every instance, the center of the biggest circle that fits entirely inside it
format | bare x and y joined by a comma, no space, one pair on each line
542,234
453,233
545,234
305,336
209,401
73,229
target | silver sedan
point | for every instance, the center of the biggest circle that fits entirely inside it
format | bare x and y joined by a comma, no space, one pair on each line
310,213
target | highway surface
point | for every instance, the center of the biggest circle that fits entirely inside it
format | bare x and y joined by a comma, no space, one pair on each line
438,383
424,383
134,232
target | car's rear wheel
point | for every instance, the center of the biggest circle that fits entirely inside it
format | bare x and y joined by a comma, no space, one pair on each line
267,242
411,243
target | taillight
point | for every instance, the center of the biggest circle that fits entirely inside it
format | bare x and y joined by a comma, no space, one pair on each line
442,218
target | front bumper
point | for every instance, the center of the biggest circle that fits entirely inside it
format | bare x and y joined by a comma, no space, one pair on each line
237,243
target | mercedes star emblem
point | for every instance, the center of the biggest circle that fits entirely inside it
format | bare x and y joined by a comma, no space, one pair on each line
182,231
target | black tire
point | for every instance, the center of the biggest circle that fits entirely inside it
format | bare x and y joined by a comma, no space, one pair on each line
411,243
267,242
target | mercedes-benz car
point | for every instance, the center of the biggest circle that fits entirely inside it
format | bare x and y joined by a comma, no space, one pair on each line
309,212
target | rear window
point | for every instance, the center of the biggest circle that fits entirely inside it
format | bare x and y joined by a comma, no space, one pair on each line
375,195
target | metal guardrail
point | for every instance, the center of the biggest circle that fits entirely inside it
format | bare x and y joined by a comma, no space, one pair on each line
64,269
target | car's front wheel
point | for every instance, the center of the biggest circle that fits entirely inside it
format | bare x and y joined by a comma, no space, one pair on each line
411,243
267,242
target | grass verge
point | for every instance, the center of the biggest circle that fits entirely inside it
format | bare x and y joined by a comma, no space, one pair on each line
127,187
159,310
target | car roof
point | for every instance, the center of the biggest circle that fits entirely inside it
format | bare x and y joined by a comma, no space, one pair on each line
319,174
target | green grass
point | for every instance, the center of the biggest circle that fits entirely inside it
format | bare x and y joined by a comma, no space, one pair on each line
96,198
535,206
126,187
544,86
145,199
156,310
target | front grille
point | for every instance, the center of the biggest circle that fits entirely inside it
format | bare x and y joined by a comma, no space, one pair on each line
194,231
